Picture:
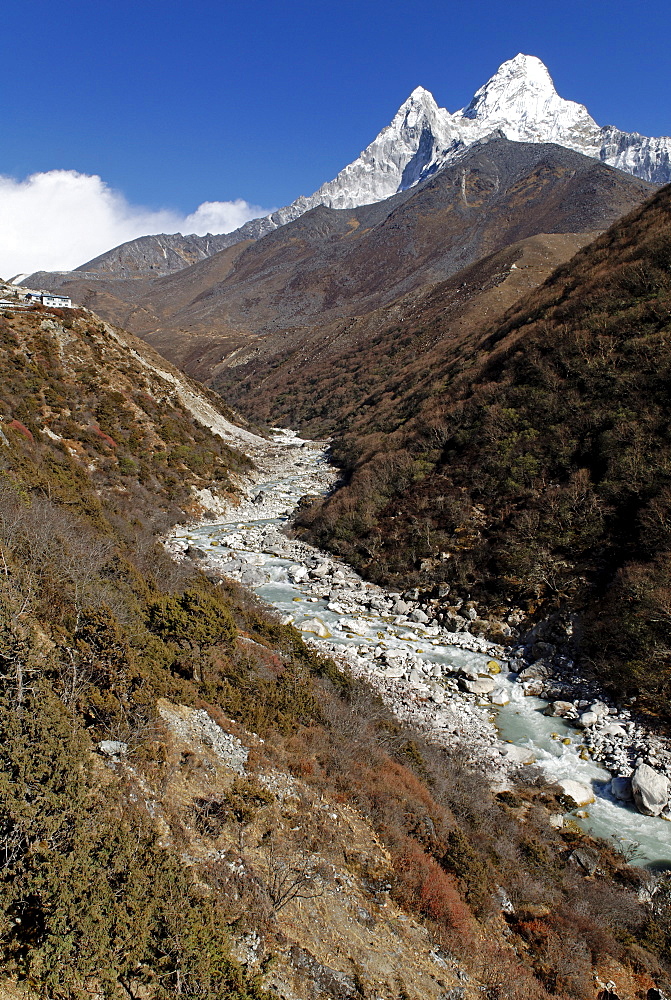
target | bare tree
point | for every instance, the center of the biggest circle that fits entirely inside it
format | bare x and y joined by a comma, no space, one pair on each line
286,877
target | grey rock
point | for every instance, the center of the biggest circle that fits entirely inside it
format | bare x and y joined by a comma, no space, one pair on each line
588,719
581,793
650,790
499,697
327,981
253,577
194,552
536,671
587,860
613,729
517,755
113,748
481,685
560,709
533,687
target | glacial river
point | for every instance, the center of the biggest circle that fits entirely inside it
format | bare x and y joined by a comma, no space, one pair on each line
521,722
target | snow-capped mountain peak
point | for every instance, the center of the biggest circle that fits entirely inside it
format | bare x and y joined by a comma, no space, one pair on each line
519,102
520,77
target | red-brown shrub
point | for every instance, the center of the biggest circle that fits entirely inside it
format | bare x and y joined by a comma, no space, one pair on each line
425,886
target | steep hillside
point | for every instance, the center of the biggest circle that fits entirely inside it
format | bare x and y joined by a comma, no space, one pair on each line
193,803
337,264
370,371
90,397
536,471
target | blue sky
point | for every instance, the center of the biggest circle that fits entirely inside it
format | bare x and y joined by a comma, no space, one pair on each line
176,103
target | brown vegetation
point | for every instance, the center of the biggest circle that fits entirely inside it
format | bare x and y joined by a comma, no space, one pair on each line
538,466
98,626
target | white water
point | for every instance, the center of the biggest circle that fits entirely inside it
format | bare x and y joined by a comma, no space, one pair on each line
520,722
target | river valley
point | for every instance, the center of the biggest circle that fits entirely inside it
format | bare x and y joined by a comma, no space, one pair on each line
455,687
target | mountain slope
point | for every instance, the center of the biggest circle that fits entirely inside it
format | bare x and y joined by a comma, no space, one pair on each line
367,372
519,101
336,264
171,755
539,461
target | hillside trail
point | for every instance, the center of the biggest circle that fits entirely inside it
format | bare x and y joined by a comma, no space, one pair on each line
453,686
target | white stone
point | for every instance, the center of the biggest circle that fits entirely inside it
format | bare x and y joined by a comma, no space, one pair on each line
581,794
499,697
650,790
517,755
612,730
588,719
482,685
316,626
113,748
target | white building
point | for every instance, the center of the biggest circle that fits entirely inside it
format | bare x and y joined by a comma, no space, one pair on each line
49,299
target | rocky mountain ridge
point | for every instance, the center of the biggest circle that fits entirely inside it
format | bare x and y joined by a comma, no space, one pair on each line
519,101
336,264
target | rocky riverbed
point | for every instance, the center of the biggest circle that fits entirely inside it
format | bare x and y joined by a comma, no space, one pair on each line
504,708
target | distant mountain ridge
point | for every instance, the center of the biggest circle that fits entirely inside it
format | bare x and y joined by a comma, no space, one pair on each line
334,264
519,101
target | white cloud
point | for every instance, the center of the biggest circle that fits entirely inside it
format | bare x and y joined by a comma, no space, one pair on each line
57,220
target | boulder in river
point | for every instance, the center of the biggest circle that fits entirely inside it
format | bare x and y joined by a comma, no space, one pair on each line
560,709
297,573
581,794
620,788
499,697
517,755
483,685
650,790
316,626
